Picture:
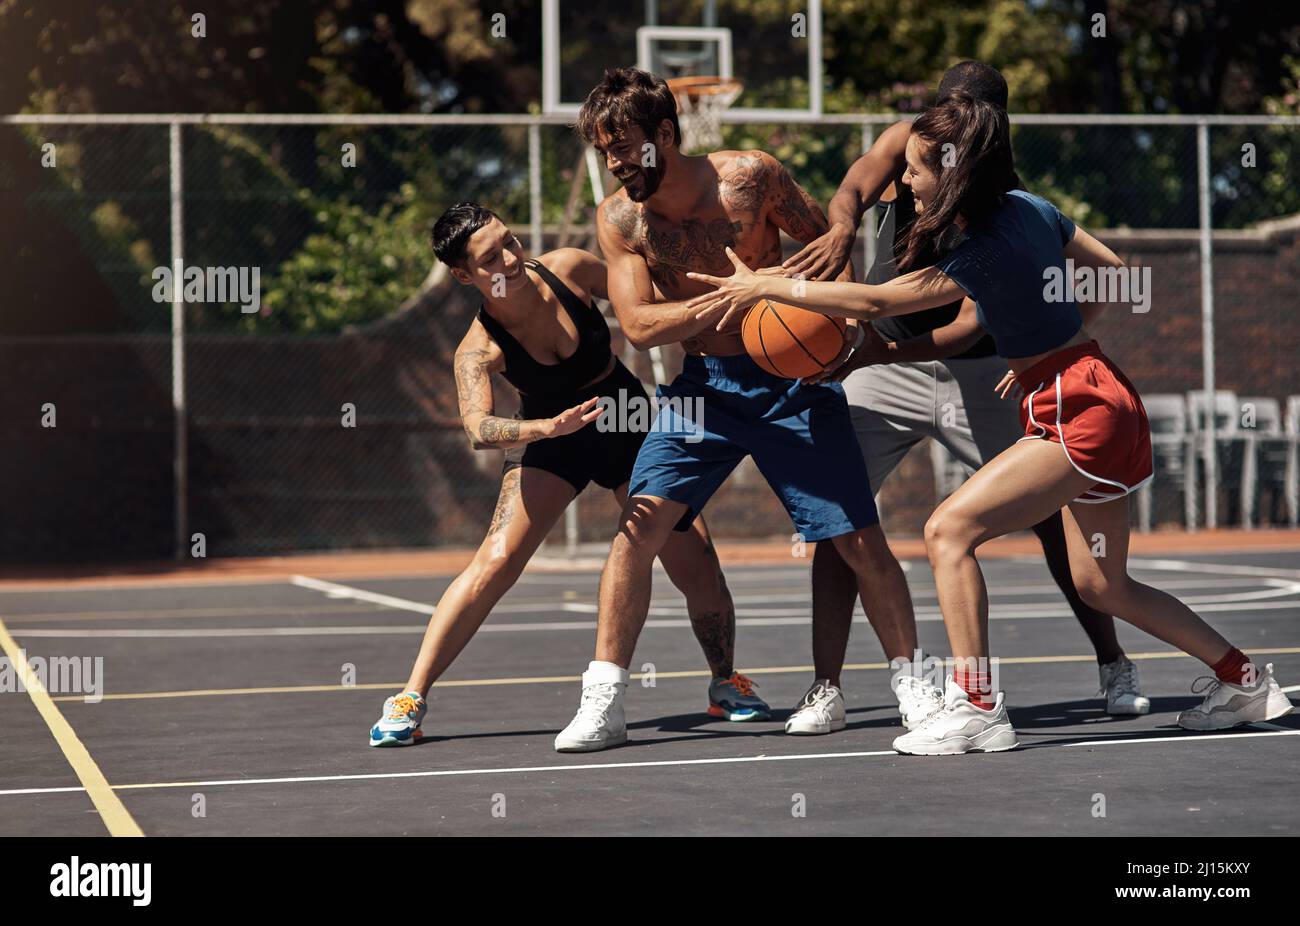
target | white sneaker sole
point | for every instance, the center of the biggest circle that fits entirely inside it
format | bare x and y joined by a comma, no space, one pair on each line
1128,710
1275,705
815,729
998,738
614,739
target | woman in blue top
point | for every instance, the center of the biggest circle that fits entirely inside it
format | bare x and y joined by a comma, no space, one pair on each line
1087,443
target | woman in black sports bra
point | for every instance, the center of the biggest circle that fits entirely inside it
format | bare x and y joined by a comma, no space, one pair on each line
539,329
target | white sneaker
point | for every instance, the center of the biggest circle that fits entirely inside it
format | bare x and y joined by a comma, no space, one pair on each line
959,727
599,722
1227,706
917,699
820,711
1119,683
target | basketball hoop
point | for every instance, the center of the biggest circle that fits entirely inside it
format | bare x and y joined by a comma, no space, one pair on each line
700,102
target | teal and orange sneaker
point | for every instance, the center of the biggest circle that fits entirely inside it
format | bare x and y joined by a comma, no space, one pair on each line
734,699
400,723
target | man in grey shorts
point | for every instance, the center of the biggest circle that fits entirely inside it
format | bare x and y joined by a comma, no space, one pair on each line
929,374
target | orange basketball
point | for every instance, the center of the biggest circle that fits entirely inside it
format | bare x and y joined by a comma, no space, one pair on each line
791,342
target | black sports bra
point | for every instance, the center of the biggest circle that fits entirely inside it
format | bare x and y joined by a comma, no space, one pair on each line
555,380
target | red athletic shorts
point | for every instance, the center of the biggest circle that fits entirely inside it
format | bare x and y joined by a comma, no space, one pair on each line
1079,399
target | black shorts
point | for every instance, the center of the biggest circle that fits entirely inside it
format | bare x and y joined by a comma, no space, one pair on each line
591,454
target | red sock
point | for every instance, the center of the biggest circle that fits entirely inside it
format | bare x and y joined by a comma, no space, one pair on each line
977,685
1234,668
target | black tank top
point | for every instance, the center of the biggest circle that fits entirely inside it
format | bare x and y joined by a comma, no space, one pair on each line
562,380
890,244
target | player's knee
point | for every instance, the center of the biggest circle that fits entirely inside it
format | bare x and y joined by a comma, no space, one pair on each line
864,549
1102,592
827,561
948,533
494,569
645,528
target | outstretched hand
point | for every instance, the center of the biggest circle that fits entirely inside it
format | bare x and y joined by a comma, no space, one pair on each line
735,293
576,418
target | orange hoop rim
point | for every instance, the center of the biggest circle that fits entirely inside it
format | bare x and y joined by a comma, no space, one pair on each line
696,86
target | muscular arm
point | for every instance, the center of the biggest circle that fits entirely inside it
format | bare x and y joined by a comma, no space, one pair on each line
645,322
866,180
1087,251
790,208
956,337
797,214
869,177
477,357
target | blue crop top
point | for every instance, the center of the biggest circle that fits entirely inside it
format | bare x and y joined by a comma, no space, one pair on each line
1001,263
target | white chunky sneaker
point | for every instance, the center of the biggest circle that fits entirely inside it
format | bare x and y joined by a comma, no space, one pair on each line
959,726
1119,683
820,711
599,722
1227,706
917,699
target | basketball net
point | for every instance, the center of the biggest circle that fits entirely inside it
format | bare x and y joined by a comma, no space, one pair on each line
700,102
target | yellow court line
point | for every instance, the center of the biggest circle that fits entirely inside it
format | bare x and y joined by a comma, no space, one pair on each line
542,680
111,809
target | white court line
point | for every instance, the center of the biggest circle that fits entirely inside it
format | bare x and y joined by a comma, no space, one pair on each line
596,766
1182,565
334,590
792,617
1291,689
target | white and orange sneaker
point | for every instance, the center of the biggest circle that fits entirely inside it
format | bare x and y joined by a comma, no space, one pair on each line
734,699
400,723
959,727
1226,706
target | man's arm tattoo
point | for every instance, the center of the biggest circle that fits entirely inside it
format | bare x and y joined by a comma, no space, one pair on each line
625,217
797,212
745,186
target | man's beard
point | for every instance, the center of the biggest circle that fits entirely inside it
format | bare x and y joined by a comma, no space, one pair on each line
646,180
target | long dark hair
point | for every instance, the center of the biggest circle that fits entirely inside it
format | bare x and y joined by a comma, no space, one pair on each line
976,183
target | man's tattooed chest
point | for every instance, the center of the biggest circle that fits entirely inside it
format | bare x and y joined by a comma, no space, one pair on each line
672,250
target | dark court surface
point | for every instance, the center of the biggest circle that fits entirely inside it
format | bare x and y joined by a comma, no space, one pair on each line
232,701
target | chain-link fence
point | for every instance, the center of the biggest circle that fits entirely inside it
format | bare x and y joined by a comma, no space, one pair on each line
313,406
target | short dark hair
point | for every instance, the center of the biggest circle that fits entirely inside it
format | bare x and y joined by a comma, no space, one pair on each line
976,79
454,228
627,96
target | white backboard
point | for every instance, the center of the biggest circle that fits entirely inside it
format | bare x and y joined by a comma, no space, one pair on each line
777,58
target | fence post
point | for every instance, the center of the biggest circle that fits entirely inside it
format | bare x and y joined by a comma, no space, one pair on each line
1207,324
535,244
867,229
180,454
